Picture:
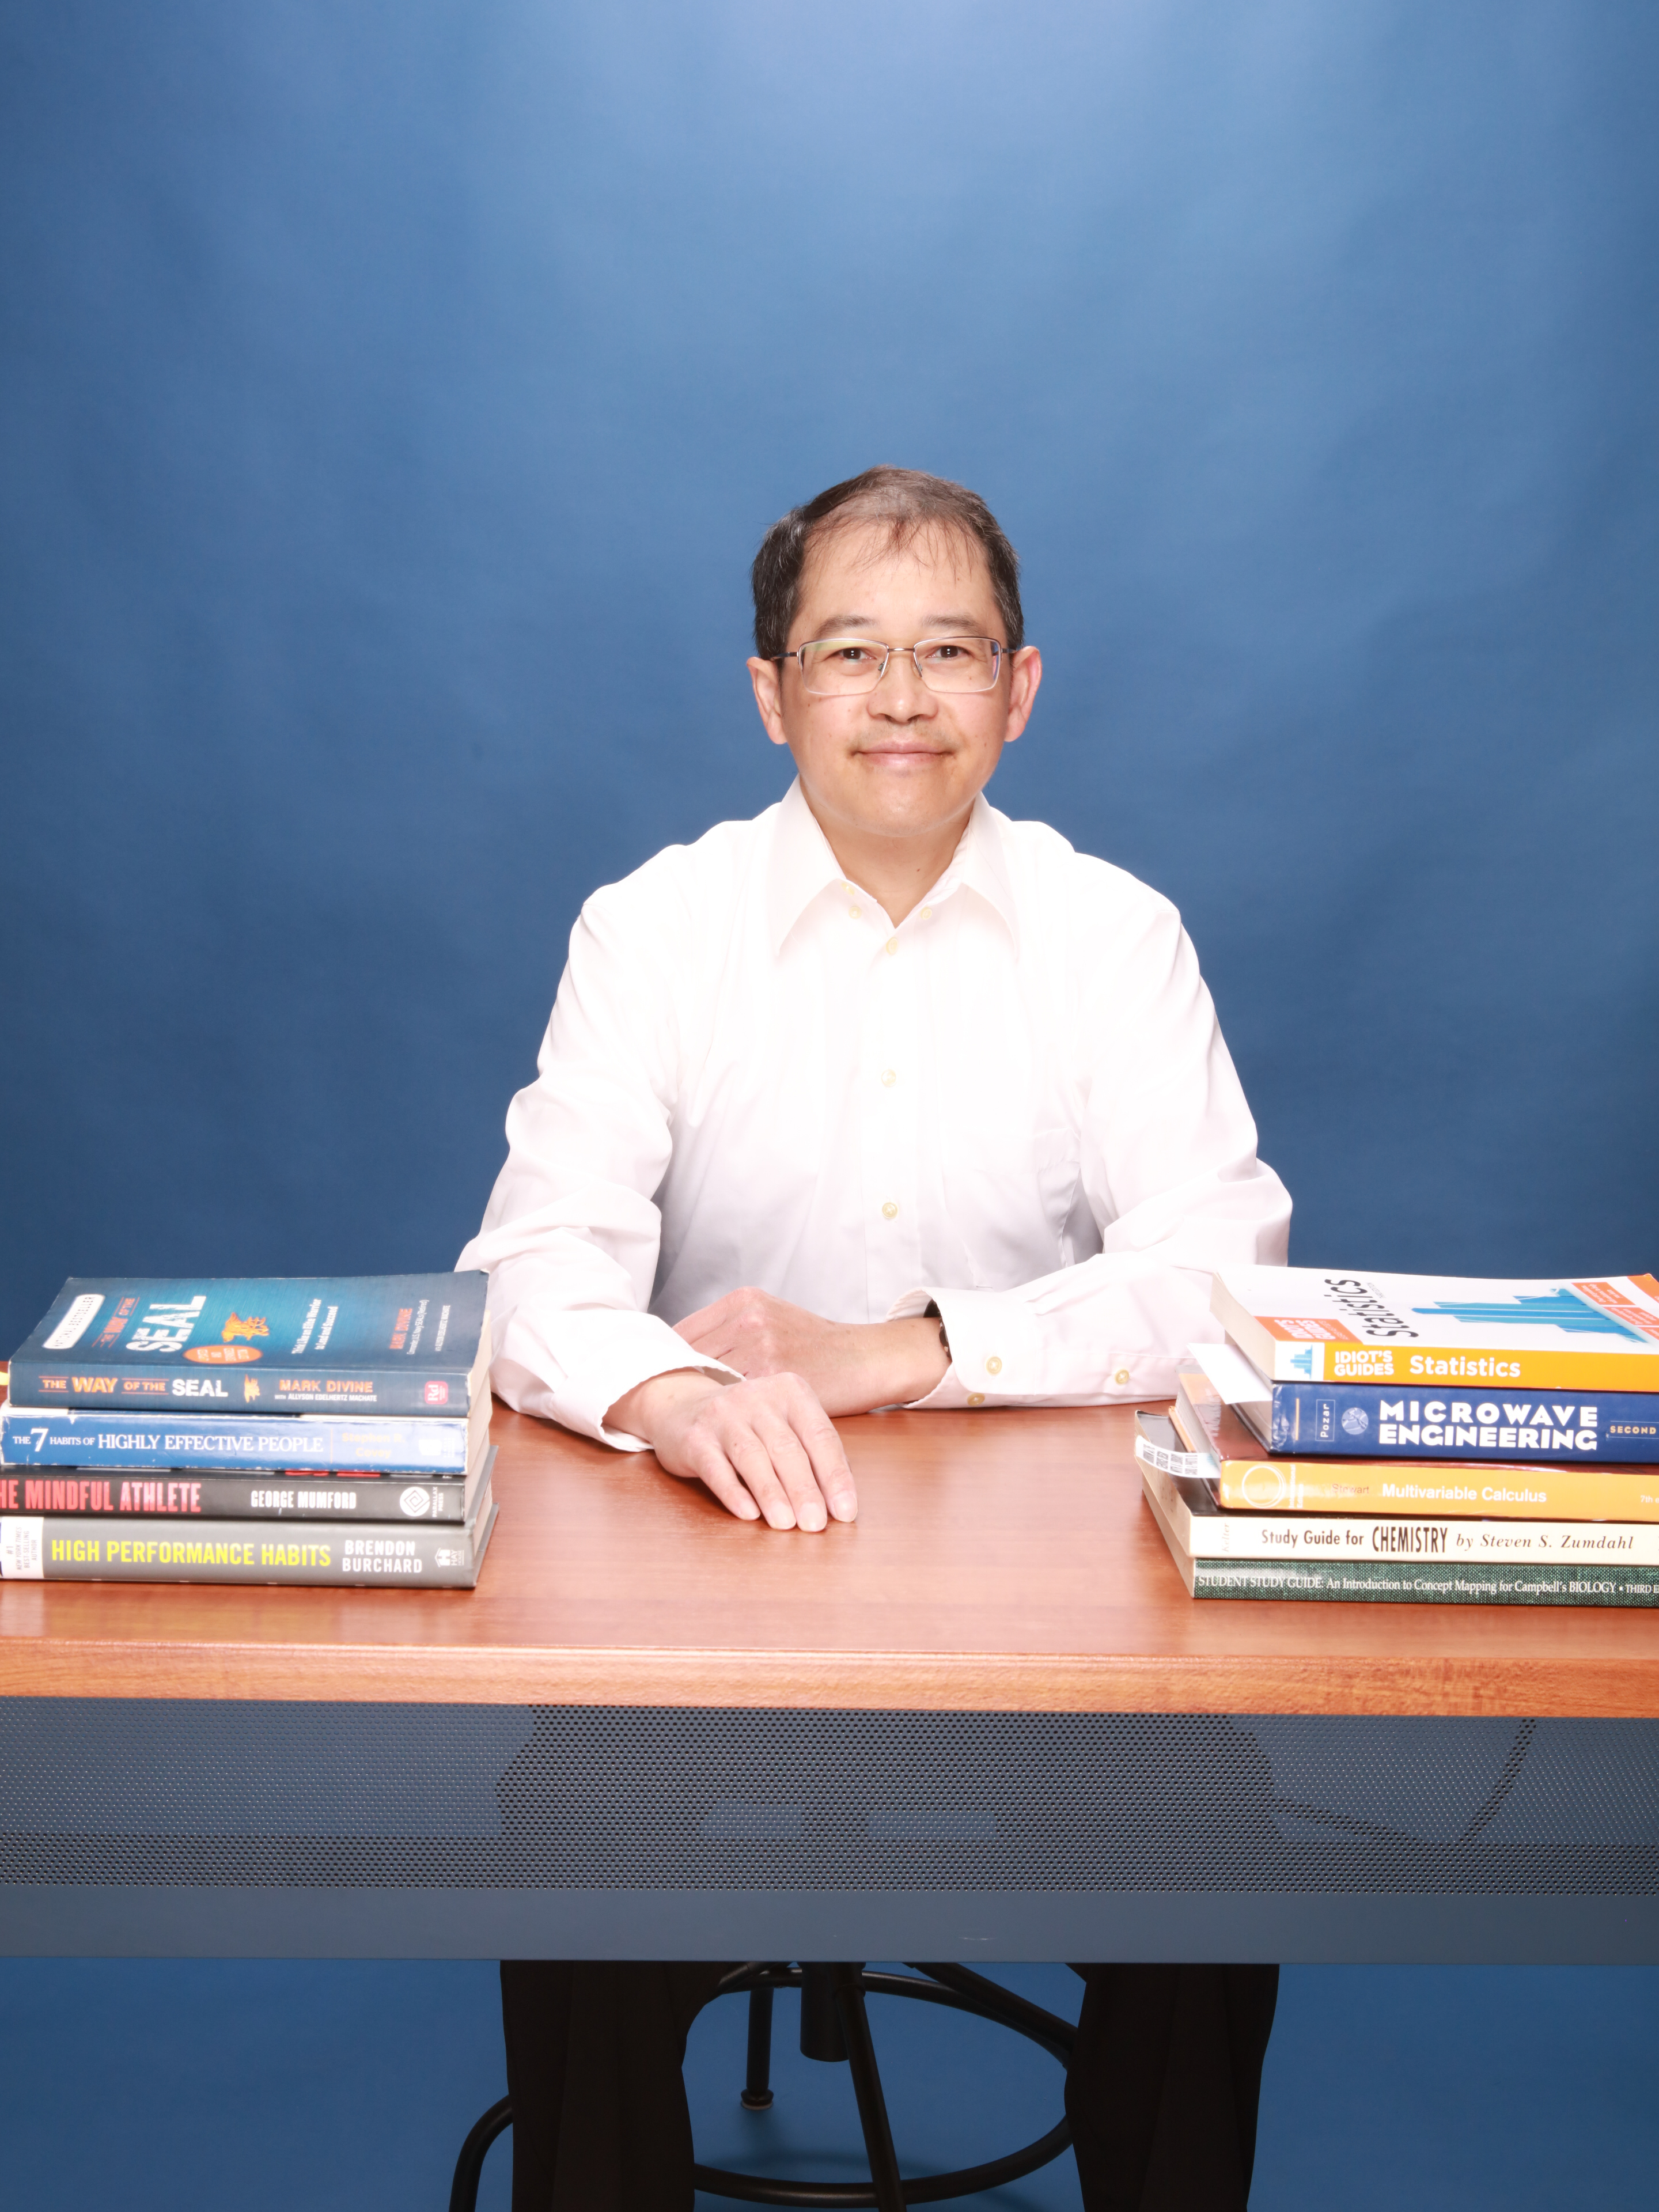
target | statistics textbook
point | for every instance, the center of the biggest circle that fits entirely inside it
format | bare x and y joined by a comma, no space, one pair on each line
409,1345
1320,1325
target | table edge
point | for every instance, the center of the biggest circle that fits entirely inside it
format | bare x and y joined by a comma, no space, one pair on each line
1591,1688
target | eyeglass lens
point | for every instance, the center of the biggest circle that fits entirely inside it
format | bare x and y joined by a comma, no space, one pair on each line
835,667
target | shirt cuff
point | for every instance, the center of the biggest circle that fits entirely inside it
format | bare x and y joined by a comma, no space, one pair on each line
1002,1355
572,1367
996,1350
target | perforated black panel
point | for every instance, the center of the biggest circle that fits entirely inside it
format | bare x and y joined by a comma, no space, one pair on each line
119,1792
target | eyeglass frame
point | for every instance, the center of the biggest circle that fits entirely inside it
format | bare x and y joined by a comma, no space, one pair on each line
1000,652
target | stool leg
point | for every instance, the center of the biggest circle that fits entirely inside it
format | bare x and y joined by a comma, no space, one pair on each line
463,2189
866,2084
820,2023
757,2088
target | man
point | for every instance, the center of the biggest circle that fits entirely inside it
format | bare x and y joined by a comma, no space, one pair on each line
879,1099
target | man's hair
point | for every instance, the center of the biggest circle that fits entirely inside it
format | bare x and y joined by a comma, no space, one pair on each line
909,503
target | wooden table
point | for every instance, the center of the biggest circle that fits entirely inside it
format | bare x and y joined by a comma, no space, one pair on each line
984,1721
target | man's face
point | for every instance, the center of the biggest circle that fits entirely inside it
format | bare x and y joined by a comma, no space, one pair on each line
900,761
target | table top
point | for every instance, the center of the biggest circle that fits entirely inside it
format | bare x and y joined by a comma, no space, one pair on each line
1001,1561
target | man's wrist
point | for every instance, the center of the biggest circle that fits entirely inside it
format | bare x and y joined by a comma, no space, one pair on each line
916,1359
643,1411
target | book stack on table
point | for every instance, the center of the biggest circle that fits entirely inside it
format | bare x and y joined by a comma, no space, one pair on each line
286,1430
1415,1439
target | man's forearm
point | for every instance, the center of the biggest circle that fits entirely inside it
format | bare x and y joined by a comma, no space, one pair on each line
903,1361
852,1365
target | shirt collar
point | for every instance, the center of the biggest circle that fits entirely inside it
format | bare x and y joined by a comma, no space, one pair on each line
802,867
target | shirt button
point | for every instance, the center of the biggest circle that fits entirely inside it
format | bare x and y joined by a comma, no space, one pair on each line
993,1365
851,889
891,1210
976,1397
1122,1376
889,1075
851,914
923,914
892,944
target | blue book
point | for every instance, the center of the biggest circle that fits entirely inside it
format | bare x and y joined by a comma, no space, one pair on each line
410,1345
1371,1421
31,1435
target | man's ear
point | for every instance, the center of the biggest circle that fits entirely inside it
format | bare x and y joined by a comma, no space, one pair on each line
768,679
1024,675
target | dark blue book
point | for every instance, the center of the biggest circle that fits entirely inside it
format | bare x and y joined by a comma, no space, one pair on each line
408,1345
1370,1420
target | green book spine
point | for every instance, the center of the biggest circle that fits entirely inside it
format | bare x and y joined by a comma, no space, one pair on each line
1429,1583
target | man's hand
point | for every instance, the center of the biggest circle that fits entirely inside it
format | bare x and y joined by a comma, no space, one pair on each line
765,1447
851,1365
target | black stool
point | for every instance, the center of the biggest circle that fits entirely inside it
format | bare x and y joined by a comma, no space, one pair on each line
834,2028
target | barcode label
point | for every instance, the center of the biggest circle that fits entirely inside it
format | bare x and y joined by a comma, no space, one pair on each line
76,1322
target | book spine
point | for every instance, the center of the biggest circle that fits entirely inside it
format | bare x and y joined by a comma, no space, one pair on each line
1356,1538
1481,1492
411,1393
57,1438
192,1497
1426,1583
1568,1512
1615,1426
54,1548
1424,1367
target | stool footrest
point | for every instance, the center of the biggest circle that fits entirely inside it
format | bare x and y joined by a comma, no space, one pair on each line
958,1988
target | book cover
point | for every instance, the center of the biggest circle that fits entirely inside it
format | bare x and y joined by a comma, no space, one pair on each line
59,1547
166,1493
1433,1332
1413,1582
1246,1480
364,1444
1211,1531
410,1345
1377,1420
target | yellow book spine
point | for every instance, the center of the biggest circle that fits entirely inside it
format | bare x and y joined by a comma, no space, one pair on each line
1474,1488
1424,1364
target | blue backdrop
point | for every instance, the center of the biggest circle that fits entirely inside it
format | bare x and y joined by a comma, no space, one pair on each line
392,393
394,396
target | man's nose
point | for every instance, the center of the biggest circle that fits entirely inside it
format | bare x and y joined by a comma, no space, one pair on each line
899,689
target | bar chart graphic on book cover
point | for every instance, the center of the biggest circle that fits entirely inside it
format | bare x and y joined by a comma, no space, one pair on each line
1314,1325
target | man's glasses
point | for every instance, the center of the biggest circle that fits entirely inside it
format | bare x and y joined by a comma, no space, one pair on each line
841,667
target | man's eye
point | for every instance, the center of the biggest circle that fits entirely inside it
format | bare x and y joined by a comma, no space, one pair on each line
944,652
854,655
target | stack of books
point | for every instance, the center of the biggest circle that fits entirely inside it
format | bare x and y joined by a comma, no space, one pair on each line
233,1430
1415,1439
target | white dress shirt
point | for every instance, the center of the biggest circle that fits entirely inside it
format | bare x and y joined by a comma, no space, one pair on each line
1017,1103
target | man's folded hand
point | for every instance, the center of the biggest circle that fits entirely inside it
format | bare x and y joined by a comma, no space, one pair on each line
852,1365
